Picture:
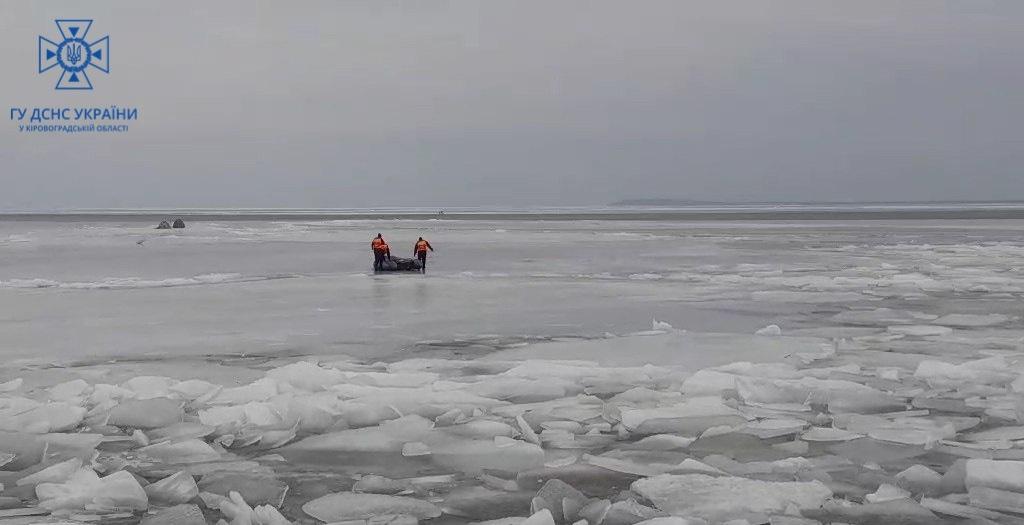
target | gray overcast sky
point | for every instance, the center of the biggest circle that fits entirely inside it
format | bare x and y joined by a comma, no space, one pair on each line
519,103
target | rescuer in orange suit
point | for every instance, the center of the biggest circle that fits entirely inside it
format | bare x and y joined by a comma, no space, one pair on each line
380,252
420,251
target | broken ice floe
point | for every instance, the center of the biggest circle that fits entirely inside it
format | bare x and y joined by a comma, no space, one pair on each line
529,441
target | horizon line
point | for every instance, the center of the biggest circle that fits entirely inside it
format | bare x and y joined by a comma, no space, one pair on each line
620,204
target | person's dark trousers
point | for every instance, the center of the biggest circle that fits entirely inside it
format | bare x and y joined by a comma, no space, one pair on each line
378,261
423,260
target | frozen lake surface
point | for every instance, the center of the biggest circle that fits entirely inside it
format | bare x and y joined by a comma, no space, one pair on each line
79,290
635,361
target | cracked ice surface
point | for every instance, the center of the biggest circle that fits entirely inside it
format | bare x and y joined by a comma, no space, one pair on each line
417,439
890,391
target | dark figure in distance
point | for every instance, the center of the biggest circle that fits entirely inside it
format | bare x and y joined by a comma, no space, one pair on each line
420,250
380,251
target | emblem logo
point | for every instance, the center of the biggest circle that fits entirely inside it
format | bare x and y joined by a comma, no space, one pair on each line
74,54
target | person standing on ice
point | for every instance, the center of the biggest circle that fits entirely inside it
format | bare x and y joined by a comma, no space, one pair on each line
380,251
420,251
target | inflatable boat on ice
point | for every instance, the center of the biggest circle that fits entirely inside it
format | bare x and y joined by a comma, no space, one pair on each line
400,264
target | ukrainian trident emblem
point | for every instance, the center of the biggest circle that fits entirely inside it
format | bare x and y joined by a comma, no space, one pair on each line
74,54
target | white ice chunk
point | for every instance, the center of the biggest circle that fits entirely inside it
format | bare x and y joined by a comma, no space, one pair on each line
692,466
528,433
107,395
389,436
187,451
660,325
588,373
259,390
996,499
120,490
839,395
990,371
542,517
716,380
771,428
315,412
254,413
57,473
84,487
148,387
268,515
307,376
74,493
192,389
787,467
179,487
482,429
41,418
919,479
423,401
772,329
905,430
239,512
344,506
522,390
69,390
690,417
375,484
1005,475
392,379
886,492
708,382
365,413
276,438
722,498
664,442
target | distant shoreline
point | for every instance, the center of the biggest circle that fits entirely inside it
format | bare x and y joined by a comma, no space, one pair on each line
682,203
695,213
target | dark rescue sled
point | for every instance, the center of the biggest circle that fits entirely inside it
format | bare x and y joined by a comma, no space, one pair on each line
401,264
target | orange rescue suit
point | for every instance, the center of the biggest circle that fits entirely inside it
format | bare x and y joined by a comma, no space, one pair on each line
421,246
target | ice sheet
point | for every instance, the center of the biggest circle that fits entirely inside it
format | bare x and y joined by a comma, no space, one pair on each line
471,390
